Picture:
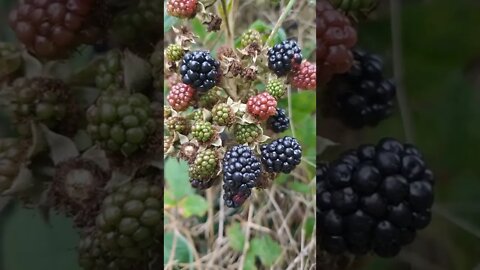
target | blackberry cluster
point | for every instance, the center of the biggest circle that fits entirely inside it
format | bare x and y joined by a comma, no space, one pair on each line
281,155
362,97
279,122
374,198
200,70
335,38
241,171
282,57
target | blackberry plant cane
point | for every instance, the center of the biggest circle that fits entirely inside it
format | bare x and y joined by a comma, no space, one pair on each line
246,80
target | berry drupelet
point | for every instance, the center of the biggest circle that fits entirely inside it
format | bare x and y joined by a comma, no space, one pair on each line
374,198
241,171
200,70
282,57
281,155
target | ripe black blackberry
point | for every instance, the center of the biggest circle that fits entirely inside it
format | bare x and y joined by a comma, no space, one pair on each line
283,56
279,122
374,198
200,70
241,171
281,155
361,97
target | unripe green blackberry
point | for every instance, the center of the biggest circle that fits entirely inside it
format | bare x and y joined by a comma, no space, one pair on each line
223,115
92,257
174,52
205,166
130,219
10,58
250,36
246,133
121,122
110,72
12,152
212,97
203,131
276,88
46,101
178,124
196,115
139,24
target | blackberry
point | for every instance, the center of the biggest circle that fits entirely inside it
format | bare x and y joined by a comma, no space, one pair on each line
203,131
200,70
205,165
241,171
281,155
174,52
110,72
130,218
361,97
246,133
178,124
282,57
276,88
279,122
121,122
374,198
223,115
250,36
335,38
202,184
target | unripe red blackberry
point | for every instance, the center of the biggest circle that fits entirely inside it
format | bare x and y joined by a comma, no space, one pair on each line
180,96
276,88
262,106
223,115
247,133
374,198
12,154
205,166
335,38
121,122
130,219
249,37
54,28
282,57
203,131
110,72
304,76
241,171
182,8
178,124
174,52
46,101
361,97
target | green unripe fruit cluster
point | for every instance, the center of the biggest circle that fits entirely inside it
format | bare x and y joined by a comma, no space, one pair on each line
205,165
121,122
223,115
246,133
110,72
203,131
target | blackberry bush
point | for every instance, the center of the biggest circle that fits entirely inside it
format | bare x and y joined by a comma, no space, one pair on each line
374,199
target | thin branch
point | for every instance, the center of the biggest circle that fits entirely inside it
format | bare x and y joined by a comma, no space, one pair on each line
289,98
282,18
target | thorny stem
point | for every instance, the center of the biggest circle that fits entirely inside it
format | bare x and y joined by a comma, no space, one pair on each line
282,18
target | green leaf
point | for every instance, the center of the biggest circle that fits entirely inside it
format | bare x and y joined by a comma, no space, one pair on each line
249,263
267,249
300,187
182,253
235,236
260,26
309,226
198,29
176,176
194,205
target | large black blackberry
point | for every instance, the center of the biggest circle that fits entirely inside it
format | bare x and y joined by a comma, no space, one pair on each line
374,198
279,122
283,56
241,171
361,97
281,155
200,70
